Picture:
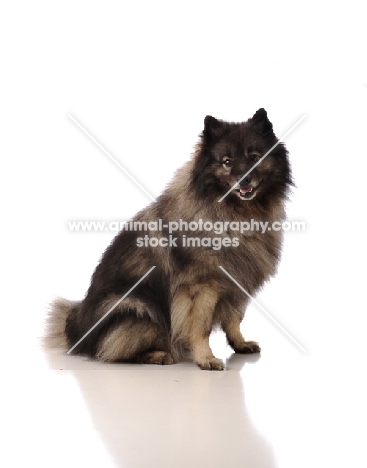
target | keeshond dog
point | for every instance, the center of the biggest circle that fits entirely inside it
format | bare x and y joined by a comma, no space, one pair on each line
170,314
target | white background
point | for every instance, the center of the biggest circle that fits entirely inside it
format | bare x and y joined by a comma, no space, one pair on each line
140,77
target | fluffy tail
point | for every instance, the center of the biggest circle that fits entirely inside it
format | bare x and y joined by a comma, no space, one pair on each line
55,336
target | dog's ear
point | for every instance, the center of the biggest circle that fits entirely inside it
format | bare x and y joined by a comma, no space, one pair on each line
213,128
261,121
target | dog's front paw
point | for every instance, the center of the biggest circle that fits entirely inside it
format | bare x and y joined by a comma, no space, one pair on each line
248,347
211,363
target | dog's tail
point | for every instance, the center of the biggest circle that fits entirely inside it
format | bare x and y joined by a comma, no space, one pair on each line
59,311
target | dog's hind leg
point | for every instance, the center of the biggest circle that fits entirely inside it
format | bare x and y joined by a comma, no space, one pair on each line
135,340
155,357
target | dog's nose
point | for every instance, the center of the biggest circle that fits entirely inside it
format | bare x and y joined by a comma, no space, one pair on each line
246,180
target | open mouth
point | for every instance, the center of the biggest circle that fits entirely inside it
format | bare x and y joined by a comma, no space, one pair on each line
248,192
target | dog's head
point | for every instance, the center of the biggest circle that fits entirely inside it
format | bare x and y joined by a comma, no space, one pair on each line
236,158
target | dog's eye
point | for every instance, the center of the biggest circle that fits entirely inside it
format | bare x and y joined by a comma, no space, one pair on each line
254,157
227,162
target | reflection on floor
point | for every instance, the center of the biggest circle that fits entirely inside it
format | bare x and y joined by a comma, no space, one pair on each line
278,409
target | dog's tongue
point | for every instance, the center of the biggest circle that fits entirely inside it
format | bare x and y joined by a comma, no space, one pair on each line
245,190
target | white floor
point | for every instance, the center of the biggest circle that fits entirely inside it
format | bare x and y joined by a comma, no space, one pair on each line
282,409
